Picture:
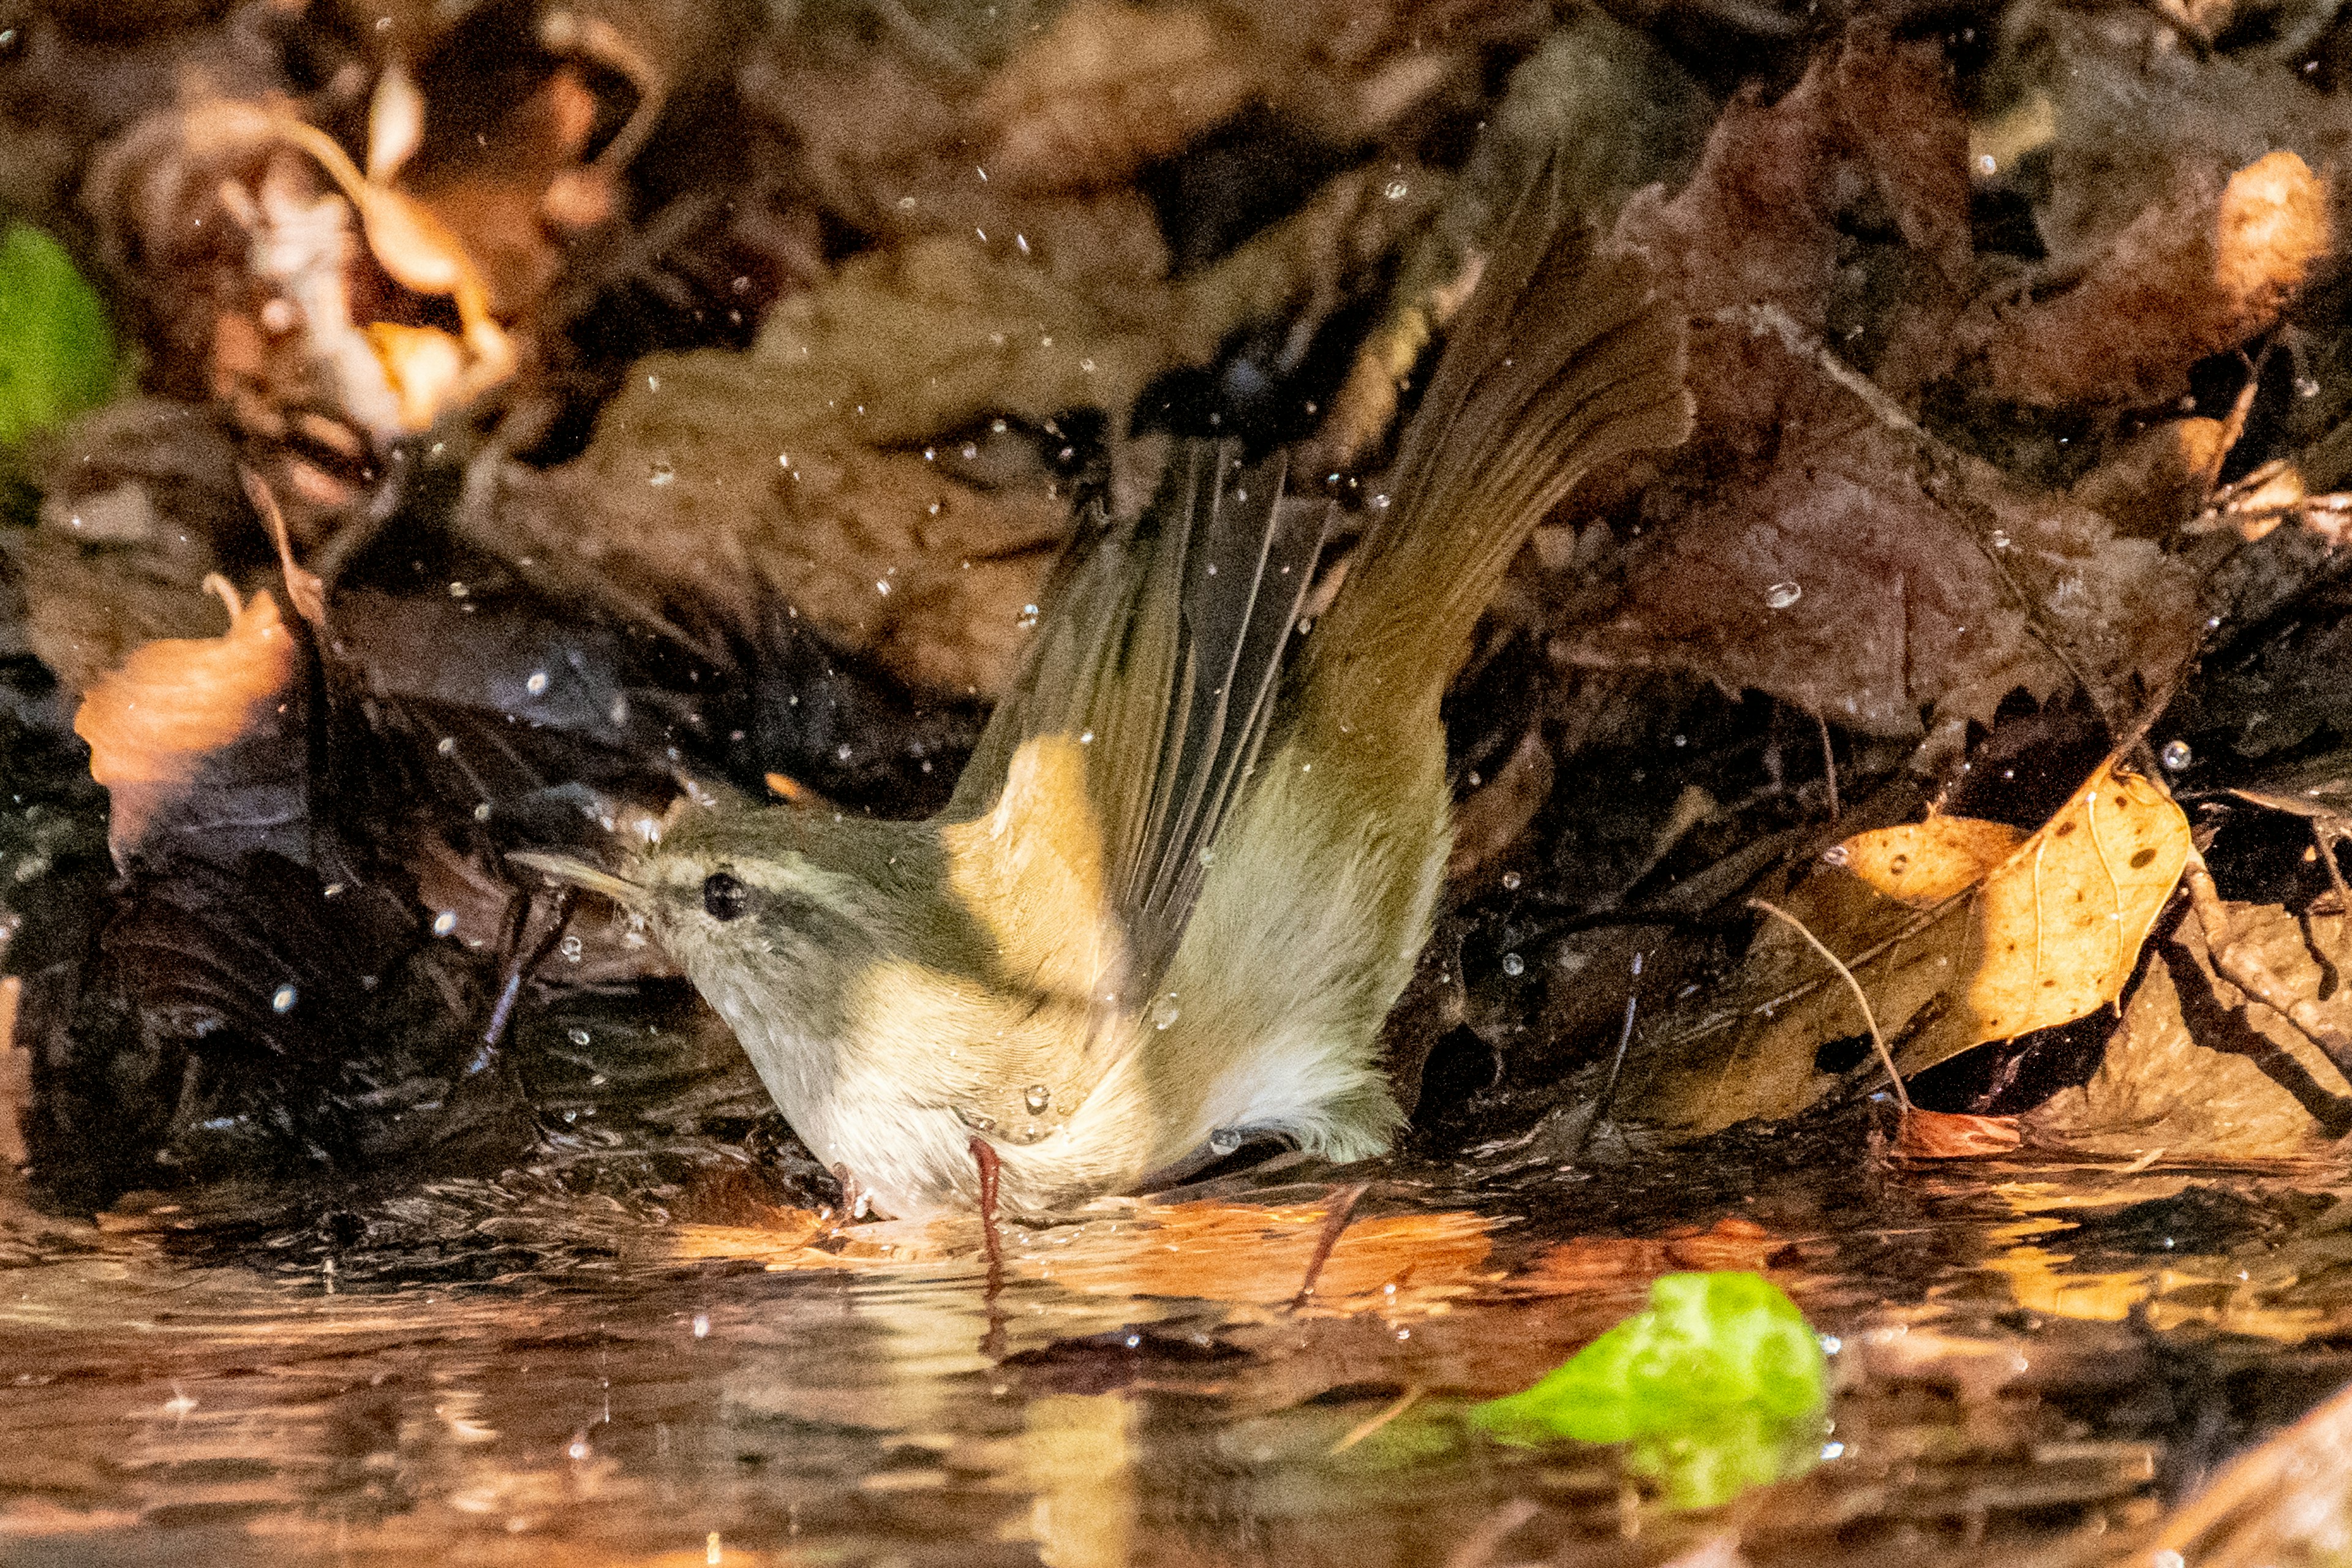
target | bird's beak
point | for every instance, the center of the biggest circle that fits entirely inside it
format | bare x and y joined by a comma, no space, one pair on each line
620,890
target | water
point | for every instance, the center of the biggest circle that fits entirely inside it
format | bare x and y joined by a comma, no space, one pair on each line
2026,1357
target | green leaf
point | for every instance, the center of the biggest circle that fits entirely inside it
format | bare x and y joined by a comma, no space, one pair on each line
1718,1385
57,351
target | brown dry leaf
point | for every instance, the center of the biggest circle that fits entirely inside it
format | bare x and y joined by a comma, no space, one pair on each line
2214,1090
149,723
2067,907
1753,1051
1923,863
1813,542
1110,87
1760,219
852,467
1953,1135
1866,572
2206,269
2153,482
2060,921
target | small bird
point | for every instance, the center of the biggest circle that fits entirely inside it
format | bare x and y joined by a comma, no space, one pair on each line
1196,853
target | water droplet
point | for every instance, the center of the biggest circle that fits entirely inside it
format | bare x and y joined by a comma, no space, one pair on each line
2000,537
578,1036
1782,594
1086,739
1027,617
570,947
448,746
444,922
1036,1097
482,812
1397,190
459,590
1513,965
283,999
1225,1139
537,684
1162,1012
2306,387
662,474
653,384
841,752
1511,881
882,586
2175,755
701,1325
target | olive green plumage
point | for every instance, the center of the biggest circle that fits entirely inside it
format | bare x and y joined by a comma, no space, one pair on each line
1191,862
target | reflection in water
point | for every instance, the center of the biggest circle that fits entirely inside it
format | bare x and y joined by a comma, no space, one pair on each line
518,1377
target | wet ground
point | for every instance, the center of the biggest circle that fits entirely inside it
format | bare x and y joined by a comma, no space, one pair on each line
2027,1361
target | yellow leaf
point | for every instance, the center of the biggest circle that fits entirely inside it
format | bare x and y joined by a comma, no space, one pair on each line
2061,920
426,366
1924,863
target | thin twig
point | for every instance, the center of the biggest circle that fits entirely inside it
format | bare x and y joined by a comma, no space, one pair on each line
1616,1067
2243,968
1902,1096
1371,1424
1829,765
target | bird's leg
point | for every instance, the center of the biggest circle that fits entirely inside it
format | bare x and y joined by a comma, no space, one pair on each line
854,1198
1343,1209
983,1154
522,962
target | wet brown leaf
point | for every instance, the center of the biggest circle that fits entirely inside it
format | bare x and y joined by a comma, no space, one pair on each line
1951,1135
852,465
151,722
2209,267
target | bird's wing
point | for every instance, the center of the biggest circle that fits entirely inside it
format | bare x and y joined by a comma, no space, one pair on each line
1158,658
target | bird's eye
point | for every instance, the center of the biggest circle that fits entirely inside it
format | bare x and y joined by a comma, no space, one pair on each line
724,897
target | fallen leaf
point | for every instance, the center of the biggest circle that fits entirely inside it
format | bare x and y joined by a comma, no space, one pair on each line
2153,482
57,351
1858,568
2204,270
1717,1386
2061,920
1110,87
1951,1135
880,466
151,722
2223,1089
1924,863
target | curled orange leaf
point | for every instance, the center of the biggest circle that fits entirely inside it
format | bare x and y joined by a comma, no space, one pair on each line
149,723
